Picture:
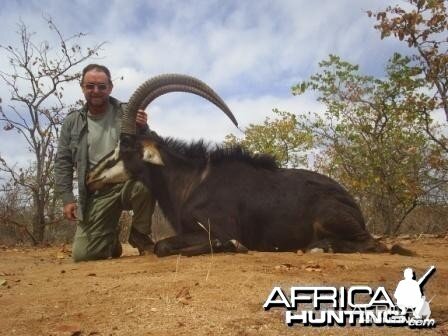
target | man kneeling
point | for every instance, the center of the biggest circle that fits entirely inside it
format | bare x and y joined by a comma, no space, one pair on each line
87,135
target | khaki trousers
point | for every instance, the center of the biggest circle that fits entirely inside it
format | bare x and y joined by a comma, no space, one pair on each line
96,235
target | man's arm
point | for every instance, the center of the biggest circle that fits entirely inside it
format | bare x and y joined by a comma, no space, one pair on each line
142,124
64,173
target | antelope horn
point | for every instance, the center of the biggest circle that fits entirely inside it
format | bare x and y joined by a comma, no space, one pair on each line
158,86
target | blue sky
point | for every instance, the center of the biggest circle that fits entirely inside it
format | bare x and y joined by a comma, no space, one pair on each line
251,52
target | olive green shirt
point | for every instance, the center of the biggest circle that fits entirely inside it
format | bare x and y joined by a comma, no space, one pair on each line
73,154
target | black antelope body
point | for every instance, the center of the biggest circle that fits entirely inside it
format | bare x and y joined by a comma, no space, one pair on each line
228,199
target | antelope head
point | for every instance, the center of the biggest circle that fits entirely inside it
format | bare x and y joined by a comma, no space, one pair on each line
130,153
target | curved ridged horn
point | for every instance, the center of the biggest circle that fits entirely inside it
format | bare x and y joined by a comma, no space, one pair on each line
159,85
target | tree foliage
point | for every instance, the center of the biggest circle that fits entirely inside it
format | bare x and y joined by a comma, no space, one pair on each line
377,136
279,137
423,26
381,155
36,81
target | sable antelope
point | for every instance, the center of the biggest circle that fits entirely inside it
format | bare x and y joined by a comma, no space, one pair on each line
228,199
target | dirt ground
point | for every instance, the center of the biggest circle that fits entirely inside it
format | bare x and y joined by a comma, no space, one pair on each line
42,292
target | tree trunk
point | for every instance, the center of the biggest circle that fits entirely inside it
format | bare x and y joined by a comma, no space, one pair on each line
38,224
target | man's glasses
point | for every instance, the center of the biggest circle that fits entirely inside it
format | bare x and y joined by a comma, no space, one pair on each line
91,86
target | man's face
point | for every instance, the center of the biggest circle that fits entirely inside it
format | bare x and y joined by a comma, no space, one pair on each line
96,88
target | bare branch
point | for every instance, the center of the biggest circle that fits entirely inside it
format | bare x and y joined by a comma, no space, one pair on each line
37,73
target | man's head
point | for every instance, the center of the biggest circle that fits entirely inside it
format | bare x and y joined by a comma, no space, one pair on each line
96,85
408,274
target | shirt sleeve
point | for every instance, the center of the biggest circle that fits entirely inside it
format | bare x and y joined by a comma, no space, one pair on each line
64,167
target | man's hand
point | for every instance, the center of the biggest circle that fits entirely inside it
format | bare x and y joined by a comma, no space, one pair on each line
142,118
70,211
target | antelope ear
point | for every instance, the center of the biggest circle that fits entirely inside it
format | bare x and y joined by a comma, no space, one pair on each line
151,154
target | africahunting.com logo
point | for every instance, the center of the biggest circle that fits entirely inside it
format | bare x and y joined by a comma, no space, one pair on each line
357,305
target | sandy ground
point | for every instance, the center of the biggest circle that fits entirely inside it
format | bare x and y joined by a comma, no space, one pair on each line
42,292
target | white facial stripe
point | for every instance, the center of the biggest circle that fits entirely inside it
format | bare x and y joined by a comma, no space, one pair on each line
111,169
111,157
116,174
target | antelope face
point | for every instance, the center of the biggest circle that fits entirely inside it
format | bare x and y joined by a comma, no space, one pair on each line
111,169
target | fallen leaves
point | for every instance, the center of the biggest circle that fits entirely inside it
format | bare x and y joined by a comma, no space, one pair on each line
310,266
69,329
313,268
285,267
183,296
60,255
63,252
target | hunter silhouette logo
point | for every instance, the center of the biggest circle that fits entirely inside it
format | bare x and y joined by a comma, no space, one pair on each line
357,305
409,294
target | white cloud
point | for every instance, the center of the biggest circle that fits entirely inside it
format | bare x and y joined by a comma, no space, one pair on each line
251,52
188,118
